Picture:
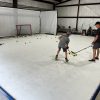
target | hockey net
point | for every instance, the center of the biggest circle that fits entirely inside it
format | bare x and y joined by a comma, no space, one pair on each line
24,29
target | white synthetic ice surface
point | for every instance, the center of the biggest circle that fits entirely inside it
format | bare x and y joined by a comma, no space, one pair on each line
28,71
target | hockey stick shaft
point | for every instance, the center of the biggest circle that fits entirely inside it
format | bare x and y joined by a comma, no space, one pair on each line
75,53
84,49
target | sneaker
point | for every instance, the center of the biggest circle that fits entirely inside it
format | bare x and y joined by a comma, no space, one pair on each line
56,57
96,58
66,60
92,60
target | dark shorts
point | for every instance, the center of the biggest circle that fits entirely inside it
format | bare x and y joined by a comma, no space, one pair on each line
64,49
96,45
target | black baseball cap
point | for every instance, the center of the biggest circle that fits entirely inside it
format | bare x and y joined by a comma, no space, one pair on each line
97,23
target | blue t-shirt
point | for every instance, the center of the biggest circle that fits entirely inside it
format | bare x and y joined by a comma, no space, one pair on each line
98,33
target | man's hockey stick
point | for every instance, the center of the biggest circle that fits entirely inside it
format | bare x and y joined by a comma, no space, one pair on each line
75,53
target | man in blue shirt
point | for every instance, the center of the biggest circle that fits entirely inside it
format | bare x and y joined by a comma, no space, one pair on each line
96,43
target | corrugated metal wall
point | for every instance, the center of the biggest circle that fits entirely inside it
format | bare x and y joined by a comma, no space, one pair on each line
27,4
67,15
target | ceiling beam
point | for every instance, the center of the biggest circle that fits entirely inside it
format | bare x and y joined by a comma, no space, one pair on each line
79,17
58,1
84,4
44,1
63,2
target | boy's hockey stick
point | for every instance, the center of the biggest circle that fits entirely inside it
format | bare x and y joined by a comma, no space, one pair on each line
72,53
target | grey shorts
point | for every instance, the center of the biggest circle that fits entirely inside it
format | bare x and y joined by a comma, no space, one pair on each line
64,49
96,45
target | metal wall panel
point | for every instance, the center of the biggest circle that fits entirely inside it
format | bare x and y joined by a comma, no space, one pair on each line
7,22
30,17
9,1
67,11
85,23
69,2
35,4
90,1
90,10
10,17
67,22
49,22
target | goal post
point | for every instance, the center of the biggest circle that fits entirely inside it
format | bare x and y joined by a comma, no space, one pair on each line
24,29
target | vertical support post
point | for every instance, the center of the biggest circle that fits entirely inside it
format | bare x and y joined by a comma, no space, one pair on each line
17,30
77,20
54,6
15,3
40,23
30,29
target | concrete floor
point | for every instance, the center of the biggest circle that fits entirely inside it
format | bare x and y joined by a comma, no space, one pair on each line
28,70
